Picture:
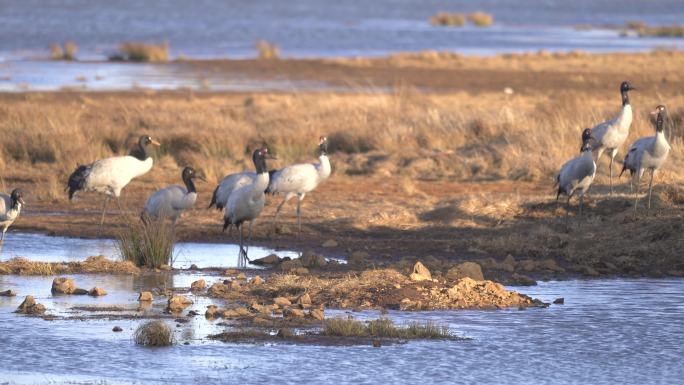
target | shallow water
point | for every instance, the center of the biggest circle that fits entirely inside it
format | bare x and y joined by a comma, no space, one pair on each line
608,332
44,248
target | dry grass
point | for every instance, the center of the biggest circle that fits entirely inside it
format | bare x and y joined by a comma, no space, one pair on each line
147,243
95,264
142,52
448,19
153,333
267,50
481,19
383,328
67,51
644,29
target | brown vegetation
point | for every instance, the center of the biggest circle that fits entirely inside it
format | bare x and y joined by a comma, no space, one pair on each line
141,52
481,19
267,50
644,29
63,52
153,333
448,19
96,264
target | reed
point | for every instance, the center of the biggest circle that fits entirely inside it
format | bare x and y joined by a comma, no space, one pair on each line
141,52
67,51
481,19
384,328
147,243
267,50
448,19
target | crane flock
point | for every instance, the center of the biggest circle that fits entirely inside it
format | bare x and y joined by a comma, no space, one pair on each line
242,195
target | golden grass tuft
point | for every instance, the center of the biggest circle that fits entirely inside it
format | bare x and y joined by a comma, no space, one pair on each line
147,243
448,19
267,50
644,29
142,52
153,333
94,264
481,19
67,51
383,328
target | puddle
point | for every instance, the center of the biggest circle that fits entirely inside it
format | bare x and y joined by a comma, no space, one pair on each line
44,248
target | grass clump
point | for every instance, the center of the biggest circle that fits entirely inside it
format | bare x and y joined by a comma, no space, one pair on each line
383,328
267,50
66,51
644,30
147,244
142,52
153,333
448,19
481,19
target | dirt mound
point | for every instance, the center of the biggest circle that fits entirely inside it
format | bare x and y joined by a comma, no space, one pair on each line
95,264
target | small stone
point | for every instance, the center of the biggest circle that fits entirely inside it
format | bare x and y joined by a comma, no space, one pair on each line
194,267
231,272
559,301
218,289
282,301
290,265
317,314
62,285
300,271
145,296
211,312
177,303
198,285
241,277
256,281
508,264
377,343
117,329
78,291
270,259
192,313
312,260
330,243
465,269
29,306
523,280
97,292
7,293
284,333
235,285
293,313
420,273
165,267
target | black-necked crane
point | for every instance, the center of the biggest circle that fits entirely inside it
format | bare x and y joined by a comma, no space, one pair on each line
577,174
246,203
108,176
648,153
227,185
170,202
610,135
10,208
300,179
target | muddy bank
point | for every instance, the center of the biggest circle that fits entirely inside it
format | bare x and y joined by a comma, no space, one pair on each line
94,264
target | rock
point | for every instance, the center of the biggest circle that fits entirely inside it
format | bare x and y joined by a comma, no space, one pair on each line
198,285
357,258
97,291
29,306
290,265
241,277
271,259
117,329
527,265
465,269
304,300
300,271
284,333
559,301
7,293
312,260
231,272
63,285
508,264
235,284
194,267
329,243
145,296
488,263
239,312
165,267
377,343
218,289
293,313
256,281
282,301
317,314
78,291
550,264
420,273
177,303
212,311
523,280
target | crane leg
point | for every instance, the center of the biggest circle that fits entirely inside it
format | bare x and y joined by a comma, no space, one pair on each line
288,196
581,202
2,239
104,209
300,198
650,188
612,160
249,235
636,190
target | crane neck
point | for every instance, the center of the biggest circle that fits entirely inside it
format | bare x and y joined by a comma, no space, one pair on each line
625,97
189,185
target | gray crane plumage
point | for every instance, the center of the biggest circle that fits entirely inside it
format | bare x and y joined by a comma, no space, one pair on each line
170,202
577,174
10,208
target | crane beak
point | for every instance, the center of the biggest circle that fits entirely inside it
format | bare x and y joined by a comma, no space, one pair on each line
21,200
155,142
202,178
655,112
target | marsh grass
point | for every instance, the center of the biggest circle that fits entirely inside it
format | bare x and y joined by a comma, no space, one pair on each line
267,50
153,333
141,52
383,328
67,51
448,19
481,19
147,243
645,30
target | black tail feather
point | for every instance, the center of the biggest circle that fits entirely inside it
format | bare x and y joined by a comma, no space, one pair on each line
219,206
77,180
